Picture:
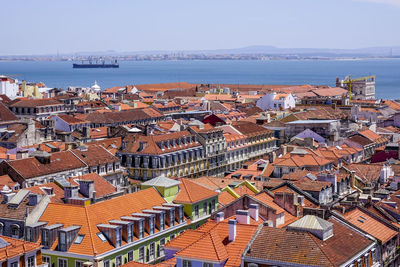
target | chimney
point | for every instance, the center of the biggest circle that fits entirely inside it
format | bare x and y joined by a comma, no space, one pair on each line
220,216
86,188
285,200
22,154
94,197
242,216
232,230
254,211
42,156
70,191
300,200
86,132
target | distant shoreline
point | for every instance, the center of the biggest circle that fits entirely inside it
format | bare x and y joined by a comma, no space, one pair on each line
49,59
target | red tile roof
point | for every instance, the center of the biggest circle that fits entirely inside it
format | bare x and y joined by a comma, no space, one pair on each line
88,217
207,247
16,247
370,225
192,192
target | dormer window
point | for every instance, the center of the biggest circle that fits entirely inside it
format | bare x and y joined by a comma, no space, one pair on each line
151,225
112,232
66,237
141,229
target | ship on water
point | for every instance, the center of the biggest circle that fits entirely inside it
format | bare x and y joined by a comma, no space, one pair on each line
90,63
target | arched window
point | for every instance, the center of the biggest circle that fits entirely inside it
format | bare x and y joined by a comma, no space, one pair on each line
15,230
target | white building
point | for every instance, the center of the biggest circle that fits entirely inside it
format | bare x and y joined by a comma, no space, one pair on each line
95,88
8,86
276,101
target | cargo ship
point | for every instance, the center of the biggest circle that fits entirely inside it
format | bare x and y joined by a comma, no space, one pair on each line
95,64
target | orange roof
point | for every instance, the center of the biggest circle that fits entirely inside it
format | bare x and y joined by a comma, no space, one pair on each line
99,132
224,198
234,250
219,97
370,135
393,105
243,190
311,158
6,180
101,186
278,96
208,247
16,247
191,192
58,192
88,217
370,225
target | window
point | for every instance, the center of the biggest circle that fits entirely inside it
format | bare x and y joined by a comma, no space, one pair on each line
107,263
15,230
62,239
14,264
118,260
141,229
118,237
151,225
187,263
171,237
162,243
152,250
207,264
366,260
213,205
31,261
162,221
78,263
196,211
102,237
374,255
130,256
79,239
103,169
205,208
141,254
62,263
45,237
46,259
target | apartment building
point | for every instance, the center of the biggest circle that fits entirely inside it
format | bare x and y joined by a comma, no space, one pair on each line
15,252
215,148
38,109
178,154
132,227
46,167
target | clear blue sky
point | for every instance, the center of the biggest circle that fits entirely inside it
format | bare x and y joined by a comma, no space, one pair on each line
48,26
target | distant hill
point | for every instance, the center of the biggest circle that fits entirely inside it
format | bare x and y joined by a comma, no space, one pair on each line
268,50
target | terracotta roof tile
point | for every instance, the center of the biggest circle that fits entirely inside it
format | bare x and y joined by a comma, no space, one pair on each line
370,225
208,247
88,217
192,192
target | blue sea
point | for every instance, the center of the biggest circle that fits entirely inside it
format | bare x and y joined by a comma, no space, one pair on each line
294,72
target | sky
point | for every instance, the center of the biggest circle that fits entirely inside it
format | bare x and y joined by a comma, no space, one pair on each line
48,26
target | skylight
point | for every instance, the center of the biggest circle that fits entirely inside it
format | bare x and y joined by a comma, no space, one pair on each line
102,237
79,239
